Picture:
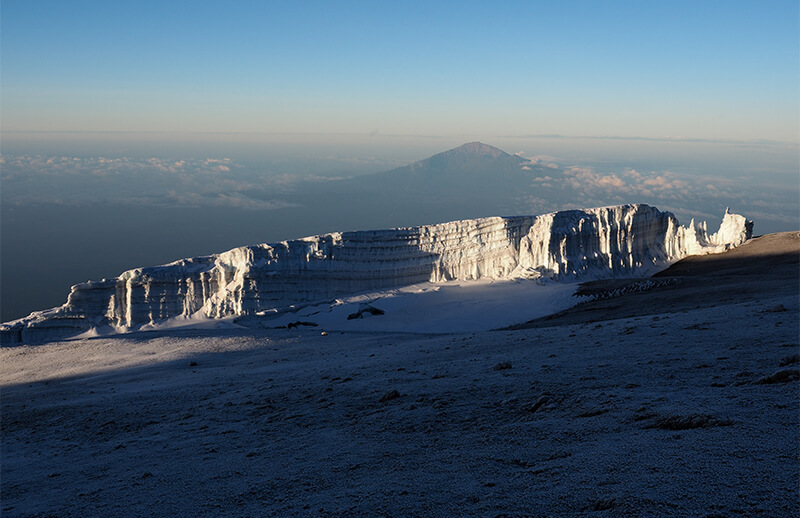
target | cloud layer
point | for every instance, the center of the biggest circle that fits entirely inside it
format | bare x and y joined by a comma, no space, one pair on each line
222,182
214,182
688,196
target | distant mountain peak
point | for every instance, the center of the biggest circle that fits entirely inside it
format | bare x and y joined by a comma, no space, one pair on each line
474,158
479,149
473,168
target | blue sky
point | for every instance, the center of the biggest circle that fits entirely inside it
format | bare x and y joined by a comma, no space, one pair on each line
711,70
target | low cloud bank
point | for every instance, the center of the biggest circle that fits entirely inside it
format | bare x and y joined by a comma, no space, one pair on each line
209,182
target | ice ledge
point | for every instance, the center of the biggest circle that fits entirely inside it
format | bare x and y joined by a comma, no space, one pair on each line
605,242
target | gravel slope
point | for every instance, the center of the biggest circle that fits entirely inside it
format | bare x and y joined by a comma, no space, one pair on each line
767,266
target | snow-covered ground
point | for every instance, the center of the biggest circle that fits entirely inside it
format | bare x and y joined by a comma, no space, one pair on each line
668,414
442,307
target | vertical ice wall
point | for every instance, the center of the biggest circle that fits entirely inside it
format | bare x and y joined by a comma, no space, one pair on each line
604,242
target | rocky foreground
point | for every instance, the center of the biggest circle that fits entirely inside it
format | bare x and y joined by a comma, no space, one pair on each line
645,402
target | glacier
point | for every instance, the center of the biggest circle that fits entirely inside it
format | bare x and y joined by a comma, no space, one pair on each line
570,245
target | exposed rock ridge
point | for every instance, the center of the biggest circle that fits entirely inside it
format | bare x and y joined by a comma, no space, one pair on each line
596,243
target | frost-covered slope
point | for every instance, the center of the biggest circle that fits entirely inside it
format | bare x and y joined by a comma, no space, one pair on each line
605,242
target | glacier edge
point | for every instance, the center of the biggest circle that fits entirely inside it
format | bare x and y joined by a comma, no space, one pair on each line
570,245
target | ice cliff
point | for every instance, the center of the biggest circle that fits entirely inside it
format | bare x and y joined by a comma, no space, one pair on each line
622,241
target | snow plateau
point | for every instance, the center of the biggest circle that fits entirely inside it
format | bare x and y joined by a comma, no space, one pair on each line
571,245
